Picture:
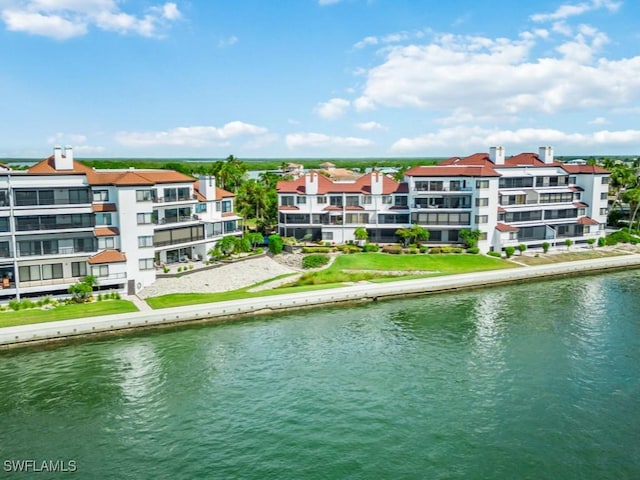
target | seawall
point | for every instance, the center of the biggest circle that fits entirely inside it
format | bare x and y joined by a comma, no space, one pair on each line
11,337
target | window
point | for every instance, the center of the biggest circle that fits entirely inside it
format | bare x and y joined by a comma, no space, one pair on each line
327,235
482,183
4,250
526,216
433,185
103,219
145,264
77,195
227,206
51,271
605,180
556,197
563,213
482,202
401,201
572,180
604,195
480,219
144,195
516,182
106,242
78,269
335,200
352,200
366,199
100,270
321,199
483,236
286,200
201,207
604,211
26,197
29,273
4,224
143,218
386,199
145,241
301,200
551,181
101,195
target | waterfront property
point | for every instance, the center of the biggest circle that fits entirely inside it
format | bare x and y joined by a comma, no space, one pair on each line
528,198
61,220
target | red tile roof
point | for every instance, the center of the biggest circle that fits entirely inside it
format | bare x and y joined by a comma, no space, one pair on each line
451,170
130,177
326,185
104,207
106,231
222,193
107,256
288,207
503,227
590,169
522,159
580,204
587,221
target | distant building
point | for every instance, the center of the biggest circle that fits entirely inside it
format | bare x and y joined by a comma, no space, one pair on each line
61,220
528,198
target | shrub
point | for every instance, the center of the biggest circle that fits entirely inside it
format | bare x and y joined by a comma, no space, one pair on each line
316,249
179,269
413,245
100,297
351,249
509,251
14,304
473,250
371,247
591,241
166,269
545,246
315,260
602,242
494,254
393,249
435,250
522,247
275,244
568,242
412,250
424,249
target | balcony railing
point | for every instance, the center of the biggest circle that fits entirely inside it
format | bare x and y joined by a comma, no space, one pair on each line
181,219
186,198
443,189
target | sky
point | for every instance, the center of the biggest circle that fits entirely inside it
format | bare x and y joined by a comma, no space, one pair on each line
318,78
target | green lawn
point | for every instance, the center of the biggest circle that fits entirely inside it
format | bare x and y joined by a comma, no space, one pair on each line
180,299
345,267
66,312
335,276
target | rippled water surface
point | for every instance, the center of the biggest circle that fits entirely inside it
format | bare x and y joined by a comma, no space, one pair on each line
531,381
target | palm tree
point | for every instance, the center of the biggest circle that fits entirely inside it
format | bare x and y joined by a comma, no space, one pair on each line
632,197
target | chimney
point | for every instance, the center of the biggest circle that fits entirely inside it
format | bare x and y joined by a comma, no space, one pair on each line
311,183
496,155
377,179
545,154
60,161
207,187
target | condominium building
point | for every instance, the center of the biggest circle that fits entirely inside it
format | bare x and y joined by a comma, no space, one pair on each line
61,220
529,198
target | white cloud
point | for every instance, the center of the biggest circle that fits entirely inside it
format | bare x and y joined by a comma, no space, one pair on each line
61,138
196,136
227,42
481,76
53,26
319,140
64,19
571,10
334,108
471,139
390,38
369,126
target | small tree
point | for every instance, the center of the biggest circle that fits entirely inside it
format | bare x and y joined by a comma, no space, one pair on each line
509,251
361,234
82,290
545,246
591,242
568,242
224,247
470,237
405,235
254,238
275,244
521,248
418,233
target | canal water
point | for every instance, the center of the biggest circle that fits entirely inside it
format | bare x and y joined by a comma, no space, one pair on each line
533,381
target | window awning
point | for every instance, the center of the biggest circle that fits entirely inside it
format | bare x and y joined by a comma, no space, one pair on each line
513,192
554,190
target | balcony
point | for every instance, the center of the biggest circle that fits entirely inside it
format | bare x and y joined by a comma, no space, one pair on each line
183,198
442,189
174,220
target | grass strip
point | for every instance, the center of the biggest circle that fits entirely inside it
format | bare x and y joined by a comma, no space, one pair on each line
66,312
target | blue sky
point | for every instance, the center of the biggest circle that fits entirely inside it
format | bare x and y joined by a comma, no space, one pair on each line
318,78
